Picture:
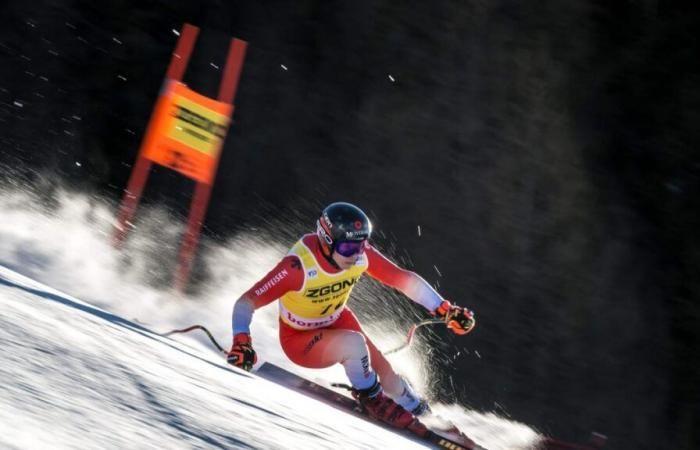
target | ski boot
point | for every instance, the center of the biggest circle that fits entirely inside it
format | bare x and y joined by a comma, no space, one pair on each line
380,407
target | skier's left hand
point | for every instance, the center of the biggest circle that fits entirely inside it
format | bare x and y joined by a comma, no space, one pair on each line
459,320
242,354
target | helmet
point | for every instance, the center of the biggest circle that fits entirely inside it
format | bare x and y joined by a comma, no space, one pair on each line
342,222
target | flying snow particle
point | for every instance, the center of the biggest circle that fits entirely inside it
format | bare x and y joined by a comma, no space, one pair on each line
121,77
116,40
391,78
175,32
78,164
419,230
214,65
283,67
18,104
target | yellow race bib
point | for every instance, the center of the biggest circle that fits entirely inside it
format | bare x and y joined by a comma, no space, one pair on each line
323,295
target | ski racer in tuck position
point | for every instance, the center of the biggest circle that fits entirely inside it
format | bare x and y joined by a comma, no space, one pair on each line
317,329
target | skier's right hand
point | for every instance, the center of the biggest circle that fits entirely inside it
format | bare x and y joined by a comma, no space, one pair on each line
242,354
458,319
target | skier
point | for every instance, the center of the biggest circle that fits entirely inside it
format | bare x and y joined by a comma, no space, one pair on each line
317,329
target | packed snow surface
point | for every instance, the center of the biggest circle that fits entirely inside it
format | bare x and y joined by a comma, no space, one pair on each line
83,365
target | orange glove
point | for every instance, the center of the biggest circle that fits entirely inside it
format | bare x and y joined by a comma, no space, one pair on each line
242,354
459,320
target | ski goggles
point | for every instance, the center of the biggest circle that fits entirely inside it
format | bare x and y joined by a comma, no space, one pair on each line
350,248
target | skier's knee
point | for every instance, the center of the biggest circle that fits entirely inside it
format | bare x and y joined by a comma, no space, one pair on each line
355,345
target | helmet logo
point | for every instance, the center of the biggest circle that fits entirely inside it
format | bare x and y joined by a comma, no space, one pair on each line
358,224
320,230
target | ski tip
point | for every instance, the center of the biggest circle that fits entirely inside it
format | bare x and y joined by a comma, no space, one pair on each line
596,442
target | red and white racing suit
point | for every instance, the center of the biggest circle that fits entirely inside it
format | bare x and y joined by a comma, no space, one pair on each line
317,329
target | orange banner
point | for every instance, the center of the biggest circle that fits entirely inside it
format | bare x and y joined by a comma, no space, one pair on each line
188,132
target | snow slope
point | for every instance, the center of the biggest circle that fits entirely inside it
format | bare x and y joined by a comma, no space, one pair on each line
76,376
86,374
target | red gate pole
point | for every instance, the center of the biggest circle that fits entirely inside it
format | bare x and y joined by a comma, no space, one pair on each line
202,194
132,195
139,175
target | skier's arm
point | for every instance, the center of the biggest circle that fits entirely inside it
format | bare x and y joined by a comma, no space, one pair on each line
460,320
409,283
286,276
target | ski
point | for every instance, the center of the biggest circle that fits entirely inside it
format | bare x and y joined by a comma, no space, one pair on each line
446,435
451,439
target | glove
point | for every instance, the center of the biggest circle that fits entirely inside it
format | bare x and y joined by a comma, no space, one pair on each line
242,354
459,320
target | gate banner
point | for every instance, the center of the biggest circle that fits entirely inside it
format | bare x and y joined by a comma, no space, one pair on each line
188,132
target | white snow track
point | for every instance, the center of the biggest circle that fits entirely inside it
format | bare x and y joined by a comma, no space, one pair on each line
73,375
76,376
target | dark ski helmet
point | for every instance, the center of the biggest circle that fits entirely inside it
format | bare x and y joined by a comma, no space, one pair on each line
342,222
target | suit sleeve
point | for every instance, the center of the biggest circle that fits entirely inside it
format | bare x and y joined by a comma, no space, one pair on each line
409,283
286,276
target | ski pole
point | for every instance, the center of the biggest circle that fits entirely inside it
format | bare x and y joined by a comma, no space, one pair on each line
198,327
411,333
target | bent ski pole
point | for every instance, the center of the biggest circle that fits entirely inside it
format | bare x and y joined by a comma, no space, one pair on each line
411,333
198,327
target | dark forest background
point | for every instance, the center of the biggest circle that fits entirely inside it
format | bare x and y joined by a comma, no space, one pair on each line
548,151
